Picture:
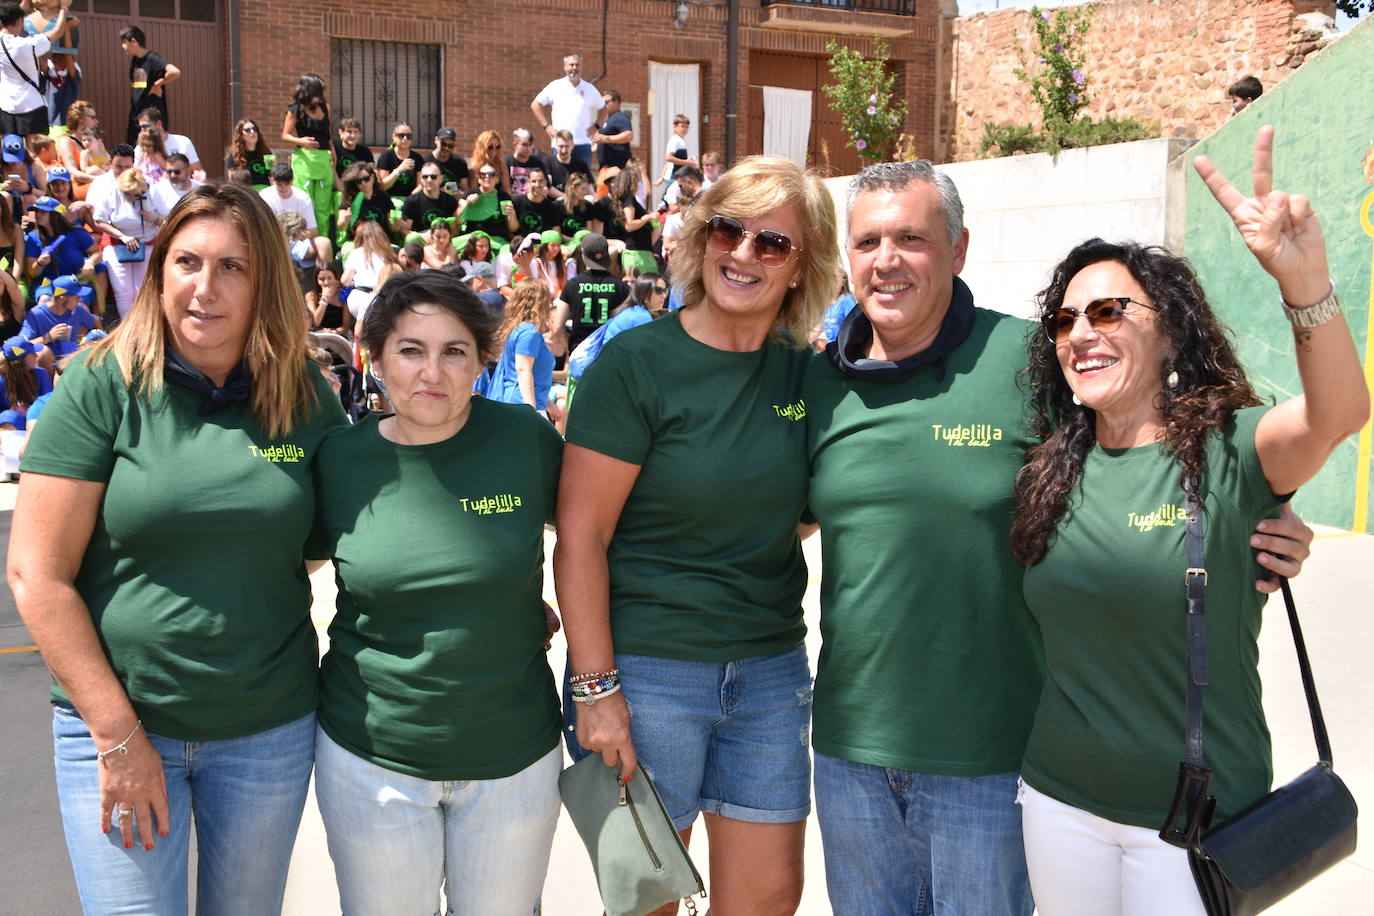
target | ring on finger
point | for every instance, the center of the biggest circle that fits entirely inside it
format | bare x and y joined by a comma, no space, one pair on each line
124,812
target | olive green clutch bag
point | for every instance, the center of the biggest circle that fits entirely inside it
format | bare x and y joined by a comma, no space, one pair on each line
639,859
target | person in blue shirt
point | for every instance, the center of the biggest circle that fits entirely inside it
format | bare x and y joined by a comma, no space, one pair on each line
22,381
62,323
524,373
54,247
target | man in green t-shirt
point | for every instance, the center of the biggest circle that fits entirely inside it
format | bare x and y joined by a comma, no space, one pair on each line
930,669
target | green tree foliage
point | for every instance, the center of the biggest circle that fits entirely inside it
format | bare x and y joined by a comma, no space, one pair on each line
862,96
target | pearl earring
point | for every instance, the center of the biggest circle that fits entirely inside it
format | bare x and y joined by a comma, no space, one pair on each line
1076,401
1172,380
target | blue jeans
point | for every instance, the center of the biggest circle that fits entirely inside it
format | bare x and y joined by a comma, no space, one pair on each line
396,838
246,795
913,844
727,738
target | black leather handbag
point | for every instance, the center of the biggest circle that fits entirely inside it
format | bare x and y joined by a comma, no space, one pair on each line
1262,854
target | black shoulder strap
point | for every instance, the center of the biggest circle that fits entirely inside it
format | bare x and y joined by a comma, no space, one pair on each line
1190,799
17,69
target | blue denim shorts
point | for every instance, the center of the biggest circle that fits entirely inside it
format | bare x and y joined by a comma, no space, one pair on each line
729,738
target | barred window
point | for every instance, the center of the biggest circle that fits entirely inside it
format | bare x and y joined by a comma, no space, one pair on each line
382,82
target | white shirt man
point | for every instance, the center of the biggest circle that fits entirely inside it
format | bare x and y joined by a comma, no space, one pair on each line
281,196
174,183
571,104
151,119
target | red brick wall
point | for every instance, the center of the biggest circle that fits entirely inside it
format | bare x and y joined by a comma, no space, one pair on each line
498,54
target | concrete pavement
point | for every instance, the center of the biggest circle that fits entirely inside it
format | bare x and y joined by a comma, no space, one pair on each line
1334,597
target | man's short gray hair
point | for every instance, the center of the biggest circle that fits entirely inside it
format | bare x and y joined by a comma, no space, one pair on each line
897,176
574,54
521,134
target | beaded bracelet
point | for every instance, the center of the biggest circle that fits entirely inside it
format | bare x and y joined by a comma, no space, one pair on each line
593,676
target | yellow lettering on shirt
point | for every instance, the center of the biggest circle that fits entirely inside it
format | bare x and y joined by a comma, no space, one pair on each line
794,411
491,505
1166,516
967,435
286,452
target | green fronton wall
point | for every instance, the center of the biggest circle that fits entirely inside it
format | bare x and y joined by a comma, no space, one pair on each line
1323,117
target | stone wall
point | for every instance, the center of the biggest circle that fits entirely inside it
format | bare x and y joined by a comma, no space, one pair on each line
1167,62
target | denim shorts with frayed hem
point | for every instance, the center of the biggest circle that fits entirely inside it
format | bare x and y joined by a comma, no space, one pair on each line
727,738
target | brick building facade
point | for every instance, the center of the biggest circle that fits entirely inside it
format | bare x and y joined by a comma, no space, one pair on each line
495,55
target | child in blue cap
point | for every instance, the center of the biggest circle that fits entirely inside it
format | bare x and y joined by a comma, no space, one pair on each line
63,322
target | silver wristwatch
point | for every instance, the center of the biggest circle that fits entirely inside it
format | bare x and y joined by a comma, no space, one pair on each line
1314,315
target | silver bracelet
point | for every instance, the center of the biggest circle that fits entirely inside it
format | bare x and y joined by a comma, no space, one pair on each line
122,748
1315,315
591,699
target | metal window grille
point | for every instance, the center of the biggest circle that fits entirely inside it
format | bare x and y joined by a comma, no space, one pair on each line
383,82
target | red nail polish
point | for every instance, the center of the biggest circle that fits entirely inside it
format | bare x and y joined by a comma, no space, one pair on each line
147,845
162,833
129,845
104,829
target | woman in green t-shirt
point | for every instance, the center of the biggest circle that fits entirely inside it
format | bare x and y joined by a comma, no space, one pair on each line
1139,408
168,592
437,757
679,569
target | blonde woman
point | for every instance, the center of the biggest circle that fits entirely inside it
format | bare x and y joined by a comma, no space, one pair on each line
678,598
524,373
367,266
132,219
169,596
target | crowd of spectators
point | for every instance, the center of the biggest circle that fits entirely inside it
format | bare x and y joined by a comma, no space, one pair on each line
354,209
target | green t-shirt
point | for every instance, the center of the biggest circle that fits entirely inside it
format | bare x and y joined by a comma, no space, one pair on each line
436,664
1109,599
929,661
194,574
705,562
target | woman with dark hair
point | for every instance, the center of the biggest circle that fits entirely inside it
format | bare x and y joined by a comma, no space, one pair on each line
437,749
476,248
55,247
22,381
398,166
180,641
307,129
12,308
439,251
248,149
1141,408
675,603
524,373
364,200
640,226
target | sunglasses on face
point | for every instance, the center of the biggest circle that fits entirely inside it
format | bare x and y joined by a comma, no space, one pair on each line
366,176
661,290
173,171
145,127
486,174
401,136
493,146
1104,316
428,176
771,249
250,129
447,145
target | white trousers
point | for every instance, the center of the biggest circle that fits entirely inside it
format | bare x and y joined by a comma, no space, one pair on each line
125,278
1084,865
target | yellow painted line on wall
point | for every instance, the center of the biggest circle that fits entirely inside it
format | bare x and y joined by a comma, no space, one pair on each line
1362,461
18,649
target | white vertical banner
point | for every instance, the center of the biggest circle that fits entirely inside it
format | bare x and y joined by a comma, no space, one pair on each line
786,123
676,90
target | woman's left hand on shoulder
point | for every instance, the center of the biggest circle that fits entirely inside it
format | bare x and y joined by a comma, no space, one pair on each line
1280,229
